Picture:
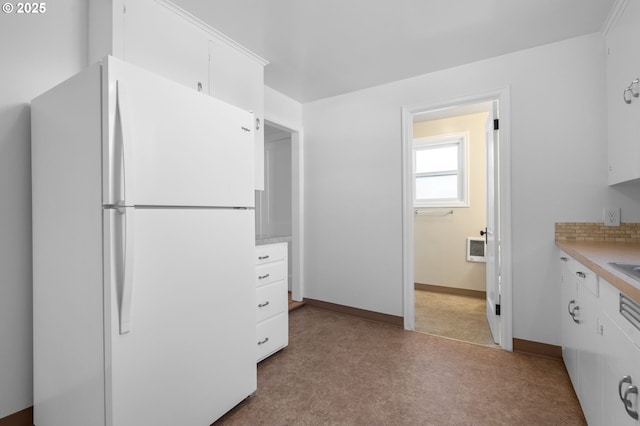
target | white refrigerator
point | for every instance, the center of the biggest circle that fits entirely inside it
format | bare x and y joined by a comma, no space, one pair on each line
143,241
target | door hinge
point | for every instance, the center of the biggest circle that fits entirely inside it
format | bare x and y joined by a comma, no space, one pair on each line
497,309
496,124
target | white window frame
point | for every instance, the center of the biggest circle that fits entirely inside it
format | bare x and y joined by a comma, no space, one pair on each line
462,141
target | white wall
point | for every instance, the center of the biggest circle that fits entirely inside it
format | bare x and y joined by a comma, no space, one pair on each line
440,241
37,52
353,176
282,109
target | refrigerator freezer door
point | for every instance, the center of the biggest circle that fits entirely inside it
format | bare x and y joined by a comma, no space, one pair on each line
173,146
189,355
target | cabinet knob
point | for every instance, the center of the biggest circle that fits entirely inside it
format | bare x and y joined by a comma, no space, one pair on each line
257,123
199,87
627,95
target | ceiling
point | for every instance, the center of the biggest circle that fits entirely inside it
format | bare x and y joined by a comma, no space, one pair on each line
322,48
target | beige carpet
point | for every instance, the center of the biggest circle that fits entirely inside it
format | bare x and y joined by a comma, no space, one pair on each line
456,317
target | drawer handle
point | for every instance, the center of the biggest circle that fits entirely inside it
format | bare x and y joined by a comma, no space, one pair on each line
262,342
633,389
581,274
564,259
262,277
262,305
266,256
625,379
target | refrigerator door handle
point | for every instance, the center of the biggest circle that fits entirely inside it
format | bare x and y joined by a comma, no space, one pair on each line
127,269
127,198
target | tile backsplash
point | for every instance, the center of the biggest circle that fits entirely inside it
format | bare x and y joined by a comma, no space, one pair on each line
596,231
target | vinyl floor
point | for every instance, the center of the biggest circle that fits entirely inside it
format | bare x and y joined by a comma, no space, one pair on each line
456,317
343,370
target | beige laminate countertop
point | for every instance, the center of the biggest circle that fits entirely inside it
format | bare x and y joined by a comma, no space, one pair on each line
596,256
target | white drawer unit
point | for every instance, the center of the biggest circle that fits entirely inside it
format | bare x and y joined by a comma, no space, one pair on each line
272,315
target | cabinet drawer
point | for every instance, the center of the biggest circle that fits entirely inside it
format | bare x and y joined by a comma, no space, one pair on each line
610,299
270,252
586,278
611,307
270,273
272,335
271,300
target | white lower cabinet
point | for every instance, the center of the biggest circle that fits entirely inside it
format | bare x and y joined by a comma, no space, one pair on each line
272,312
620,363
600,347
580,334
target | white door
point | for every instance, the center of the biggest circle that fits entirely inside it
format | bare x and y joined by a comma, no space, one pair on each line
493,228
173,146
189,353
569,317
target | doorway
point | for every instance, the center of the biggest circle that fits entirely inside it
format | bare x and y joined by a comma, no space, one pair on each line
498,246
449,251
279,205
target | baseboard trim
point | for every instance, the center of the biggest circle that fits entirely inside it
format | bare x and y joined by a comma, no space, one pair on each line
362,313
451,290
537,348
21,418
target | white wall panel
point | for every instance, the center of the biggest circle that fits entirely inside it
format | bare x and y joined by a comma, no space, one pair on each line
38,51
353,247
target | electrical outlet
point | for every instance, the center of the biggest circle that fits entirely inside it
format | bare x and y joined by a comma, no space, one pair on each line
611,217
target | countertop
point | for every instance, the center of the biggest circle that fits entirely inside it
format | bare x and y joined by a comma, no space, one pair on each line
262,240
596,256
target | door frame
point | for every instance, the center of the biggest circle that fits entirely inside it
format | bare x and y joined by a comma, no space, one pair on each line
502,95
297,205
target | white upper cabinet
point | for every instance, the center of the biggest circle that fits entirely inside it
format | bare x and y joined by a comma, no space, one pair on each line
623,94
164,39
158,39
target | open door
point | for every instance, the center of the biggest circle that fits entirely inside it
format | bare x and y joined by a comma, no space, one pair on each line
492,233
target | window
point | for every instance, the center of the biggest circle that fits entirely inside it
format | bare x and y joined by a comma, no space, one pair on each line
440,171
